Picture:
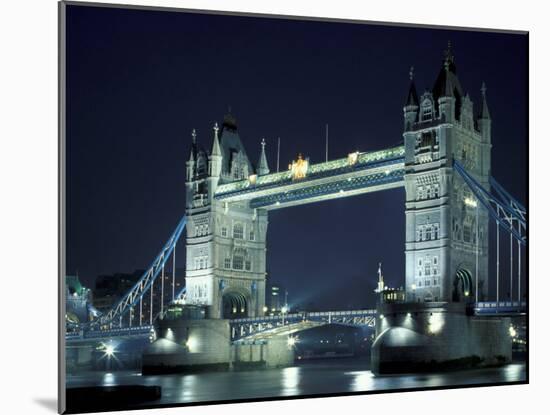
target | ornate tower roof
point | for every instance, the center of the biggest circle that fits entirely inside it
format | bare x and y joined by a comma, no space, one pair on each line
216,143
484,113
229,121
412,97
198,156
262,162
447,83
193,149
231,146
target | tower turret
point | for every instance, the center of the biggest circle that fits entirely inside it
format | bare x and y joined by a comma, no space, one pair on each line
214,164
263,168
447,90
410,109
190,168
484,119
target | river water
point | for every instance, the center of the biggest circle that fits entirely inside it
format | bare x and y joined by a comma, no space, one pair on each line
321,377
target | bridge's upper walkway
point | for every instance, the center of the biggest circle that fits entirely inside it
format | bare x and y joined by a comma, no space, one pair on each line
355,174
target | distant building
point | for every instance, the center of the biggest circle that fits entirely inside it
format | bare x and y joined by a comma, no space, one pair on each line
387,294
77,299
277,299
109,290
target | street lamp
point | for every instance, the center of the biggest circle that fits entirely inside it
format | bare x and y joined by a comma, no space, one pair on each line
283,312
109,350
413,287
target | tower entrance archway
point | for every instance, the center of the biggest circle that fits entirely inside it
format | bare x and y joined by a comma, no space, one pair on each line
234,305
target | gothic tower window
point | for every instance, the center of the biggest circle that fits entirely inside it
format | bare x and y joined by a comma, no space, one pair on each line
427,267
427,110
238,231
201,262
467,232
224,231
238,258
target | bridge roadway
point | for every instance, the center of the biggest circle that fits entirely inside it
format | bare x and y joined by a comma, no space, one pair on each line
262,327
357,173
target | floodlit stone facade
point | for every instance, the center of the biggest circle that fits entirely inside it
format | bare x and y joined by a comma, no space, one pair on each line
441,211
226,243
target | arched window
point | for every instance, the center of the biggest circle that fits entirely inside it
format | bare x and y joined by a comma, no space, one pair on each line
238,231
427,110
238,258
428,232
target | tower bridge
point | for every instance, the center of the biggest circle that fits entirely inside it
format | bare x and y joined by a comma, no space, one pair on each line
444,167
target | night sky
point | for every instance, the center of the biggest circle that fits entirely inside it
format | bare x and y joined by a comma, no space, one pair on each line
139,81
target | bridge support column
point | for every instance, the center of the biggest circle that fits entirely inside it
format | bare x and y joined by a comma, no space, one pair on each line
422,337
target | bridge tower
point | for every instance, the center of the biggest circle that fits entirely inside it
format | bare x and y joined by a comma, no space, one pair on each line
446,245
226,243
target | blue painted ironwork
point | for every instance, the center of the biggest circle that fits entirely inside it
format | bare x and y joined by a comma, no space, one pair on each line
148,278
254,326
140,288
514,204
351,183
121,332
500,308
181,294
332,168
505,210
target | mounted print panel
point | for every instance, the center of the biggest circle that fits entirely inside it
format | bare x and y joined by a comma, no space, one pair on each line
269,207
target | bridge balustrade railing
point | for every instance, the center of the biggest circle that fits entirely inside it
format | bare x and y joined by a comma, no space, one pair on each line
494,304
316,171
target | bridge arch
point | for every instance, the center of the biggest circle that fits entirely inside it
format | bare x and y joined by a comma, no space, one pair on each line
234,304
463,285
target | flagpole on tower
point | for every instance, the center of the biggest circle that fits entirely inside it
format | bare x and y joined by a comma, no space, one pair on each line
326,142
278,152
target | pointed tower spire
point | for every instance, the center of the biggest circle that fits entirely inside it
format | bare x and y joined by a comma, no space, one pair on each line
193,145
449,58
412,97
484,114
216,143
380,287
448,61
262,163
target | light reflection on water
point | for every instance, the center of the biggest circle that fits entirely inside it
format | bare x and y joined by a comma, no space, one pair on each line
362,381
109,379
513,372
290,380
307,379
